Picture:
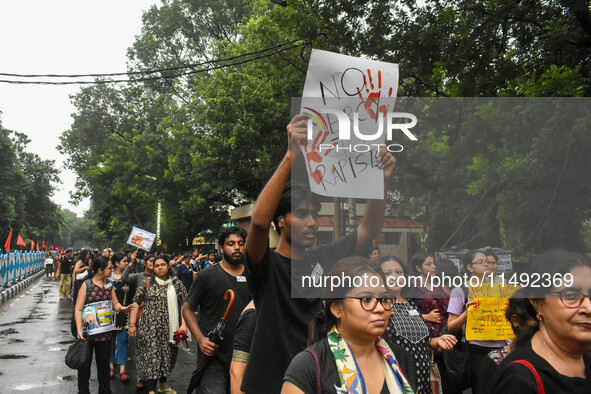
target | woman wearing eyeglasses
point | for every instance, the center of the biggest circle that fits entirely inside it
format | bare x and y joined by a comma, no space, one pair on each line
553,361
98,296
479,270
351,356
493,260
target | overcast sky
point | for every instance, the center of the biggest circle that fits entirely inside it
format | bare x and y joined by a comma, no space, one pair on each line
59,37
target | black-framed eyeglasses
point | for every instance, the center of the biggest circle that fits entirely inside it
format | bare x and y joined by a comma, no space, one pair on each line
572,298
369,303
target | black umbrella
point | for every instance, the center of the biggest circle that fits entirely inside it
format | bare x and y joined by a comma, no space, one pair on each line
214,336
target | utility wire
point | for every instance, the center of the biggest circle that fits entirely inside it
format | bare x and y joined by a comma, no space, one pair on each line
260,55
463,220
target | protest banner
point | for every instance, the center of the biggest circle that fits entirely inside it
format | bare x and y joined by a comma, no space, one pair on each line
98,317
141,238
486,317
350,102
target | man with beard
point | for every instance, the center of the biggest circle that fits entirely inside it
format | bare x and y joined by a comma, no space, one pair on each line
207,294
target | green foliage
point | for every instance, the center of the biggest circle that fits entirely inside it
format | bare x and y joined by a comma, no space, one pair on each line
25,196
490,172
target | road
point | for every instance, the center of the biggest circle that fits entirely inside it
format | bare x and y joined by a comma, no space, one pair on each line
35,335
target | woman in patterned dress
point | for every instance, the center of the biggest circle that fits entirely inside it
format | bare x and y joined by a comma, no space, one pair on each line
407,327
163,295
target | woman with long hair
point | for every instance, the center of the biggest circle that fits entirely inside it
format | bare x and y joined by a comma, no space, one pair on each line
96,291
124,293
163,295
553,359
350,355
431,300
81,271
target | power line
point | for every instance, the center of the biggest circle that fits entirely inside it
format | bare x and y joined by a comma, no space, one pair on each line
463,220
230,62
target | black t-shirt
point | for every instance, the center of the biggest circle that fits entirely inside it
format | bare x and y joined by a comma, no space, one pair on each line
282,322
185,275
207,295
66,265
517,378
125,294
245,331
303,371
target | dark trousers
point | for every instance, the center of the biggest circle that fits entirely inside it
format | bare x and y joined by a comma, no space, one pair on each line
151,383
477,355
102,352
216,377
447,384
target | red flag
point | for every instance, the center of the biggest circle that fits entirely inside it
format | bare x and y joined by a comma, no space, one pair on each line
32,245
7,244
19,240
37,246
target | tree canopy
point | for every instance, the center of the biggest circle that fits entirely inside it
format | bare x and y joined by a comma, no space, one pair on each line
207,141
25,196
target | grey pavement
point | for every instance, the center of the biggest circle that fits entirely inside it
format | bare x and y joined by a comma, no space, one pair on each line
35,335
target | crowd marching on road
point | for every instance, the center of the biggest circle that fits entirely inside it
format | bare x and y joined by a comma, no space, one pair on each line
257,332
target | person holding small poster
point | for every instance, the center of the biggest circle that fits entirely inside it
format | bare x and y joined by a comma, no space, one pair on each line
476,265
94,309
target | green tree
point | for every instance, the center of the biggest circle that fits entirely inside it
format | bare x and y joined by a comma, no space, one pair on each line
205,142
27,186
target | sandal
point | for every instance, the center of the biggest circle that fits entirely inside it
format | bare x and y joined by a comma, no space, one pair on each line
124,377
112,374
139,386
167,390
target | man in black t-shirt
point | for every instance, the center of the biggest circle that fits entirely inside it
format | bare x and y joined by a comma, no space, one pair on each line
66,264
207,294
282,321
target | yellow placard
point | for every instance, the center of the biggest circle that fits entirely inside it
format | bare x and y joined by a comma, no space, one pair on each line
486,317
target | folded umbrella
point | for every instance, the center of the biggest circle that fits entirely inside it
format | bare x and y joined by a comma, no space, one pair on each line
214,336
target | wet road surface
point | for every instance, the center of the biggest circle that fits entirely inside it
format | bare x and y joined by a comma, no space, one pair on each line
35,335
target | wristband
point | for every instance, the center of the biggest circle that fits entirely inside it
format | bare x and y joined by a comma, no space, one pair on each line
131,325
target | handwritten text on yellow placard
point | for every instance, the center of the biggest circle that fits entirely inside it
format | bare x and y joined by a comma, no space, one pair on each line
486,317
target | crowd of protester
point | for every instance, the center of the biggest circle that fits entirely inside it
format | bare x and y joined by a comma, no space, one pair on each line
384,338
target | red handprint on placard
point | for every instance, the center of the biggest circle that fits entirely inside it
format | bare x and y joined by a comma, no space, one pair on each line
372,97
316,155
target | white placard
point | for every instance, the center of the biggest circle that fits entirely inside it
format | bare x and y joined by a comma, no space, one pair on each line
349,101
141,238
98,316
